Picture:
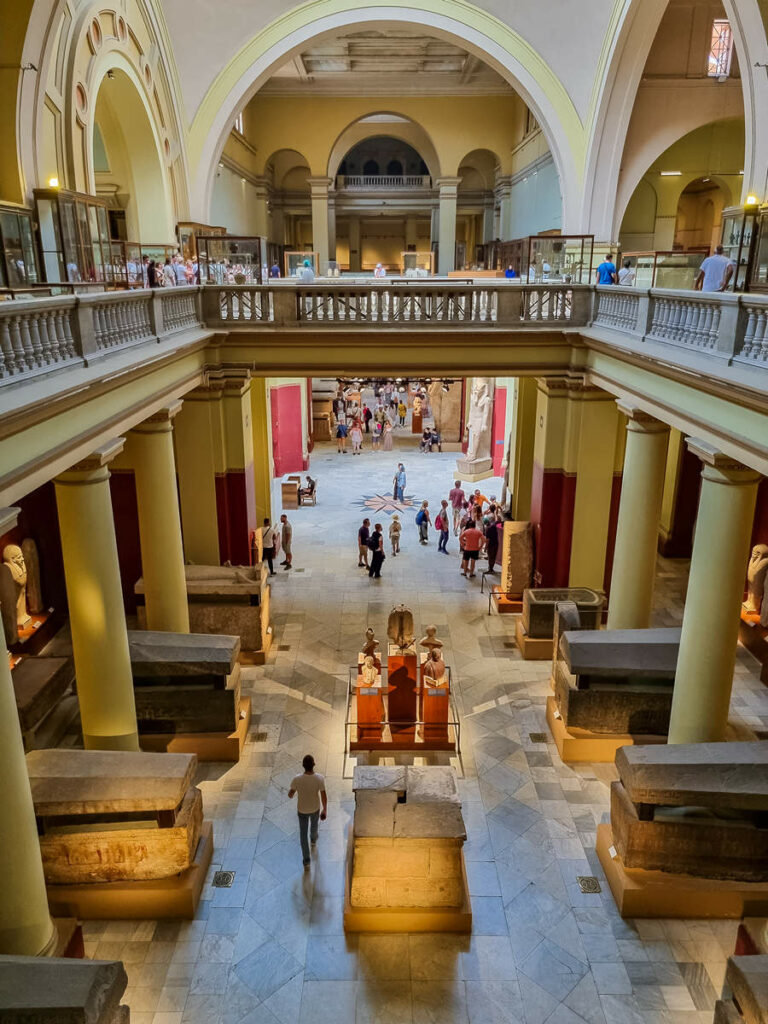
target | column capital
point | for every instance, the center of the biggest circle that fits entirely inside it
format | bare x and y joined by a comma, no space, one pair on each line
9,517
447,184
640,421
93,468
318,187
720,467
159,421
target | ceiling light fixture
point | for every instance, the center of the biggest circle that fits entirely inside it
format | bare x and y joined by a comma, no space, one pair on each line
671,174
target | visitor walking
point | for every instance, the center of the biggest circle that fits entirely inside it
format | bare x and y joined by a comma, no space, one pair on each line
715,272
394,534
491,534
169,275
376,547
457,499
386,443
286,535
367,416
422,521
400,482
363,535
356,437
402,410
341,437
627,274
470,542
606,271
309,789
268,543
442,524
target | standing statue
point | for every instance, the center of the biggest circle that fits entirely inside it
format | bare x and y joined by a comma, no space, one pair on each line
434,668
757,578
371,643
35,602
480,416
417,405
368,672
435,392
400,626
14,559
430,641
8,605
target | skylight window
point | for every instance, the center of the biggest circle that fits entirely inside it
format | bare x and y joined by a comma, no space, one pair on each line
720,50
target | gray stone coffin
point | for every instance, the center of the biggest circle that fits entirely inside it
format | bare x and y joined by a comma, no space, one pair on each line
52,990
539,609
746,992
39,683
617,681
185,682
694,809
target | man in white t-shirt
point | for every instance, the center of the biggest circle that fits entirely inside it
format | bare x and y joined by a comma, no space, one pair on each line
310,790
715,272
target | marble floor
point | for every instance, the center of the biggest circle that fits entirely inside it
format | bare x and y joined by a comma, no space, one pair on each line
271,949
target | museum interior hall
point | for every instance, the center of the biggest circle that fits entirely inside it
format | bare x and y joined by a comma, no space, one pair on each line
384,512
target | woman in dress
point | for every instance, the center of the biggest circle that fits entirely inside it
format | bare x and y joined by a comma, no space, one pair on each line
356,436
386,443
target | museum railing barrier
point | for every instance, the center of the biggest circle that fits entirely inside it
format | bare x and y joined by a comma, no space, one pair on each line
374,181
40,335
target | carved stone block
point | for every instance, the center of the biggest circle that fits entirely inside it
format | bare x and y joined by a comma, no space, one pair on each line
516,557
539,609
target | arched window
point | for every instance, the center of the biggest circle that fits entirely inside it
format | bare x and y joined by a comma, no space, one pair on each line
394,167
371,167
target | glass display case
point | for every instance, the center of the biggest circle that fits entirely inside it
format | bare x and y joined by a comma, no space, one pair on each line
18,252
758,269
555,258
188,233
293,263
666,269
74,238
231,259
130,260
739,232
417,264
511,254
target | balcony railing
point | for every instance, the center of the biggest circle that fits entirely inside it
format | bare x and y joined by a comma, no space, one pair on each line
373,182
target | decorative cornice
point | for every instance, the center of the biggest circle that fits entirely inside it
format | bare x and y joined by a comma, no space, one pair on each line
9,517
640,420
727,465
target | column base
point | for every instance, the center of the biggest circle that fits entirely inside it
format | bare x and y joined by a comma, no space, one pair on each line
640,893
129,741
471,472
579,745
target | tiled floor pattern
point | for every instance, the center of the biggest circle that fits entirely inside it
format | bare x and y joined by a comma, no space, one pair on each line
272,948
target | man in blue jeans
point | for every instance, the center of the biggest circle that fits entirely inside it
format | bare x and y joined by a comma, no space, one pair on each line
400,481
310,790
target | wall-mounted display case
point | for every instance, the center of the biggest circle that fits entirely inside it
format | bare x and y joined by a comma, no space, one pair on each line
188,233
758,269
739,234
666,269
417,264
542,258
18,252
74,238
232,259
293,263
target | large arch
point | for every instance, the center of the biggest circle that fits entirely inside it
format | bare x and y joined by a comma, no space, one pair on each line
477,30
404,129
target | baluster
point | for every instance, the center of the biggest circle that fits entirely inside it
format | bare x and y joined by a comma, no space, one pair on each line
20,363
749,333
760,338
46,344
36,345
26,342
6,349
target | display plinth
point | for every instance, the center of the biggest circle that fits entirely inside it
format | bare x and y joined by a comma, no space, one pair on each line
579,745
402,683
435,714
160,898
640,893
472,472
505,604
370,711
417,423
532,648
209,746
69,938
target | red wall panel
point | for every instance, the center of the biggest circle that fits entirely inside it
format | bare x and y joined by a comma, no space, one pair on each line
285,408
553,494
499,421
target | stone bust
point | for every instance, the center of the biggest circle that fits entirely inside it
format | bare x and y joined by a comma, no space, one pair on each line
757,576
434,668
369,673
14,559
429,640
371,643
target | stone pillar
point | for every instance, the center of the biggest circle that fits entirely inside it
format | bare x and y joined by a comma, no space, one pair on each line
196,460
260,209
355,255
26,928
162,551
504,198
488,213
447,249
261,444
642,488
705,665
411,232
320,235
332,225
520,472
96,616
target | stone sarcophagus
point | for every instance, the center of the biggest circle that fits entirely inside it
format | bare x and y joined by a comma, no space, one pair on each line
538,618
405,865
616,681
40,685
114,815
185,682
226,600
745,996
54,990
693,809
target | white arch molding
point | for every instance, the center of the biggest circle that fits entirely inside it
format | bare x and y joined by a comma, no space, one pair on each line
527,74
348,138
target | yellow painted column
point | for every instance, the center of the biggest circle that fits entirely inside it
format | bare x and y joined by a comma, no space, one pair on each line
642,489
97,620
262,462
705,665
320,227
26,928
593,422
162,552
446,252
193,435
521,469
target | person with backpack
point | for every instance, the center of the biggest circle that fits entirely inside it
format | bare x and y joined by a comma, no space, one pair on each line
442,524
376,547
422,521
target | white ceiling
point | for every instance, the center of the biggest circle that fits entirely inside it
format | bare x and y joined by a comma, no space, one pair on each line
388,61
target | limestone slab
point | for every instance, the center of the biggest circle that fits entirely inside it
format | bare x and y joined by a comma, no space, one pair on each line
374,813
163,655
381,777
429,821
747,978
76,782
431,784
39,990
719,775
630,653
38,684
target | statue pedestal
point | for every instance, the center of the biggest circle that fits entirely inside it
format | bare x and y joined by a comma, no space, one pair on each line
403,687
417,423
471,471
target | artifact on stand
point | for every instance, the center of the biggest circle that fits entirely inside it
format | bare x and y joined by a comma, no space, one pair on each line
516,566
405,863
14,559
369,702
434,668
534,630
687,836
369,673
400,627
612,688
226,600
430,640
35,603
187,693
121,833
757,583
371,643
434,698
477,464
